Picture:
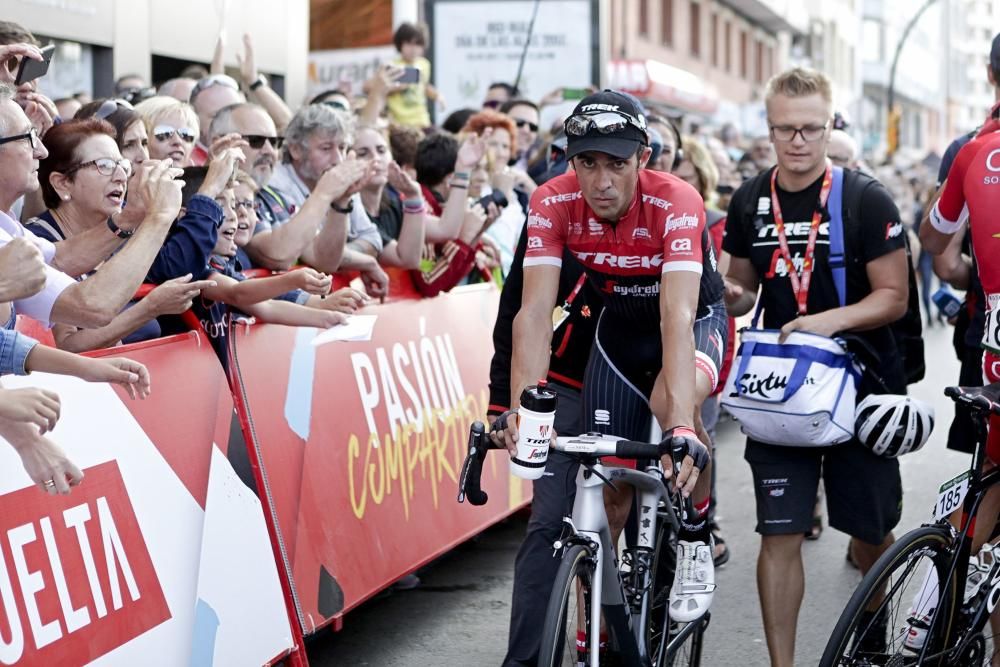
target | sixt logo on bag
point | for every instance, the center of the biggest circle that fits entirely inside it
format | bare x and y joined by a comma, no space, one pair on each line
753,385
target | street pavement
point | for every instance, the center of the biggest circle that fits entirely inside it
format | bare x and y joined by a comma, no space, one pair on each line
458,616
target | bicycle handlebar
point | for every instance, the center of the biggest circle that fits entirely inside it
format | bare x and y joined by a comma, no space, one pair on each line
595,444
984,399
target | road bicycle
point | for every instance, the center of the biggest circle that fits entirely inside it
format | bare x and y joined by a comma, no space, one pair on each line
594,589
925,602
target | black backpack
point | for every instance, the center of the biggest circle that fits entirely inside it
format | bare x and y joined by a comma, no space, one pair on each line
907,330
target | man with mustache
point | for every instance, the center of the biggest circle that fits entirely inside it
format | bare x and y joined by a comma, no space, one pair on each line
315,231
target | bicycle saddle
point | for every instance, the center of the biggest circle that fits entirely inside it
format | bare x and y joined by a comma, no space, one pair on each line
984,399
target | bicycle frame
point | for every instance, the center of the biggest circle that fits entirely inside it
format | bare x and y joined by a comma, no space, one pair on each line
590,527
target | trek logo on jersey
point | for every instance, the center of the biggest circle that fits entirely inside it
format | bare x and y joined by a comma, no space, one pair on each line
893,229
640,233
657,201
560,198
682,221
680,245
621,261
535,220
535,243
792,230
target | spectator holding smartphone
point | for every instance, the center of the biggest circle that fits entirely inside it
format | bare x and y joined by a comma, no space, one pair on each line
408,103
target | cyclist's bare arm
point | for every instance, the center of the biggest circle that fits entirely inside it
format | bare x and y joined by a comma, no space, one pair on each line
932,239
952,266
678,309
532,334
741,285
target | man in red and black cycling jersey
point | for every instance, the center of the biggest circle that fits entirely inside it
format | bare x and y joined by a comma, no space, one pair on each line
640,236
971,194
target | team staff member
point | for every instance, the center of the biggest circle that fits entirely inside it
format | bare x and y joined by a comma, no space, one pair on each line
778,242
641,237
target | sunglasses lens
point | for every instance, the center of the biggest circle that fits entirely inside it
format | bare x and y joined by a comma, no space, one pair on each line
578,125
256,141
186,134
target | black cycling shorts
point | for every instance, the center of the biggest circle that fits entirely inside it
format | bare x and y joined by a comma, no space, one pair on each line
623,366
864,493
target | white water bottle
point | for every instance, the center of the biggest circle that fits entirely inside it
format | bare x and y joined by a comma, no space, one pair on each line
535,418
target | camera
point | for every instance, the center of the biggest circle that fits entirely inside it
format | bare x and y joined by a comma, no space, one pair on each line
495,197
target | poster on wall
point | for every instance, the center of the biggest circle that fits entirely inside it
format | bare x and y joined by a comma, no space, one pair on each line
474,44
345,69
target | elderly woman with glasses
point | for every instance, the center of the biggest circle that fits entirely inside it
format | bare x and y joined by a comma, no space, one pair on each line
84,181
172,127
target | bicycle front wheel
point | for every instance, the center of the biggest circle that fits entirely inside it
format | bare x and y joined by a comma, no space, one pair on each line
568,613
908,582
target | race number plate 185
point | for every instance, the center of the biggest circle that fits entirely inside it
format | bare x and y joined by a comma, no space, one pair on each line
951,494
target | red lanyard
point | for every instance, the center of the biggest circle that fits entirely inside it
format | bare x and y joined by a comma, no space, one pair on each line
800,286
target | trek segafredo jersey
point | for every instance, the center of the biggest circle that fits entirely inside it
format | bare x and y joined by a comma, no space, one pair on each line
663,230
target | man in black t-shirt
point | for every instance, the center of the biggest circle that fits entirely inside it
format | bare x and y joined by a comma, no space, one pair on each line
864,493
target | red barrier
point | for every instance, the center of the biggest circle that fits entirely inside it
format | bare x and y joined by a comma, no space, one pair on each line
361,443
147,560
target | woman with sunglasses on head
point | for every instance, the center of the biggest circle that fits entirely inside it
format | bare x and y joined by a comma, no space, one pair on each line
84,180
130,130
172,127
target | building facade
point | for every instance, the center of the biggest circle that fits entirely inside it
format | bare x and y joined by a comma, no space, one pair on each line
971,26
100,40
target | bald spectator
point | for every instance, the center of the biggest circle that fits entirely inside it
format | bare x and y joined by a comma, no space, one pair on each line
208,96
179,88
843,150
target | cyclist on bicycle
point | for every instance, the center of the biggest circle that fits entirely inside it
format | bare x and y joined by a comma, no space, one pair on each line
971,193
640,236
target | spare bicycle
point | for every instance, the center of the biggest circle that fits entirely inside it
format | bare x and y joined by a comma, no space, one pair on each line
924,602
593,589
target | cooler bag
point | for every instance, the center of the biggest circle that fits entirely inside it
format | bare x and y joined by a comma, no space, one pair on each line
798,393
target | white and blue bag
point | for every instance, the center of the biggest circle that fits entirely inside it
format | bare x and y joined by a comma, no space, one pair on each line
802,392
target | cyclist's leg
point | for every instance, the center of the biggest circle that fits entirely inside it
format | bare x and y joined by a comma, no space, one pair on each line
614,404
785,482
535,566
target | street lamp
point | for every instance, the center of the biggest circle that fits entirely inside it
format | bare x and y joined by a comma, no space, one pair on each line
892,134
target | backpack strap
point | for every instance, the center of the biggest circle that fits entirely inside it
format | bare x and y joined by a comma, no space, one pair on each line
838,261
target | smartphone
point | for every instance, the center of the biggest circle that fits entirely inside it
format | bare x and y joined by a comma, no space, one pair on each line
574,93
31,69
410,75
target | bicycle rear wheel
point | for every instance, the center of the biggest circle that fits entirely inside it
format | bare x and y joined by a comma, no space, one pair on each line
569,612
901,585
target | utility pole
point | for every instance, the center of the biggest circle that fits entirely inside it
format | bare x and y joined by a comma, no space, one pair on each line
892,134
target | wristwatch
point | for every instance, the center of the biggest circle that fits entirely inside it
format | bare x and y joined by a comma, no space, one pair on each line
261,80
118,231
343,209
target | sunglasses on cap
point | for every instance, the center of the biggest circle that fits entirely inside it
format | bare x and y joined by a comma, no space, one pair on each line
492,104
605,122
256,141
531,126
165,132
335,104
109,107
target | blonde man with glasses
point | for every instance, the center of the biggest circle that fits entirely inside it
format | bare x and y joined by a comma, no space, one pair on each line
777,221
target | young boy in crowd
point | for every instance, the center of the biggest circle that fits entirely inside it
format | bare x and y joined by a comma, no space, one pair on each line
256,298
408,106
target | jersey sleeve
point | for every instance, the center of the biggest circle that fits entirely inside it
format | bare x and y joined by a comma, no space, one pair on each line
950,212
546,228
882,228
683,230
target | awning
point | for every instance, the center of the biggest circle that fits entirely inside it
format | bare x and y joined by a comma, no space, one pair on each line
658,82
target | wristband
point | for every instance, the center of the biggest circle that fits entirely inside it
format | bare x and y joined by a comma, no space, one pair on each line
462,175
261,80
118,231
414,206
343,209
942,224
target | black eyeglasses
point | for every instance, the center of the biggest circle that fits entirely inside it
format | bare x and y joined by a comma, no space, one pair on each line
31,135
531,126
109,107
809,133
256,141
105,166
165,132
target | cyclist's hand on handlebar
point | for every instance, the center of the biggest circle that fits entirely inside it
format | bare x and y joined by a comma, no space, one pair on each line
503,431
694,456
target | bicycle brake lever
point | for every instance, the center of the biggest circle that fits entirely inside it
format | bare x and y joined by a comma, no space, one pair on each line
469,482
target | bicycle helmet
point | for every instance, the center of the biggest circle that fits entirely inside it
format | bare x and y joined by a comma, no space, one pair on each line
892,424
